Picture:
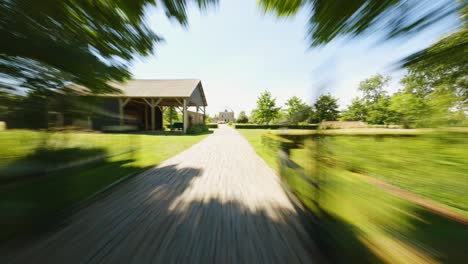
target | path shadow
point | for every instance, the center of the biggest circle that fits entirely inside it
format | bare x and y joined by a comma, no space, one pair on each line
156,218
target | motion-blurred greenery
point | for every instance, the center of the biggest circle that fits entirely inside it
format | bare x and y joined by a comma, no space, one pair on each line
367,224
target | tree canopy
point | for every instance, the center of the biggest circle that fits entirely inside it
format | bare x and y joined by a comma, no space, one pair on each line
266,109
242,118
325,108
297,111
47,44
329,19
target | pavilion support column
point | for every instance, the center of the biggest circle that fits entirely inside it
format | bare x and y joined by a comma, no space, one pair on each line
122,103
204,114
153,121
172,109
121,110
185,116
146,117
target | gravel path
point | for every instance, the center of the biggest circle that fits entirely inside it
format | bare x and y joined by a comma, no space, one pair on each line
217,202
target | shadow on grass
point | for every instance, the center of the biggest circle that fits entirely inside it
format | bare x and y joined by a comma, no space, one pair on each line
43,160
441,237
32,195
338,240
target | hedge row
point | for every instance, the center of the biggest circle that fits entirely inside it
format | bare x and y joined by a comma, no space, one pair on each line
212,125
254,126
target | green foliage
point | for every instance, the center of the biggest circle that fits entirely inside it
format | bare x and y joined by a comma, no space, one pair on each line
447,53
48,45
197,129
357,111
325,109
266,109
373,88
276,126
297,111
212,125
373,106
242,118
329,19
352,210
171,115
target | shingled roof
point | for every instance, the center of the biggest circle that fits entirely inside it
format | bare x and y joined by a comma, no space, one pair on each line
171,88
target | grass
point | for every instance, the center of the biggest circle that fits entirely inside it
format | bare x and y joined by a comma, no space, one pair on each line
254,138
361,223
37,198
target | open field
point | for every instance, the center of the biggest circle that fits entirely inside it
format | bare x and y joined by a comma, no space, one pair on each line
38,195
367,223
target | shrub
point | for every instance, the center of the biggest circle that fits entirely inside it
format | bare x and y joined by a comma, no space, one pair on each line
212,125
197,129
255,126
230,123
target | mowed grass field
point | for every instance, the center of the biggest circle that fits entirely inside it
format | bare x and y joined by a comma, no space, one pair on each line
31,196
362,223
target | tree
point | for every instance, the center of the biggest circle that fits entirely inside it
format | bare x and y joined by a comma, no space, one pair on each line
373,88
431,97
357,111
242,118
171,115
329,19
297,111
326,108
373,106
266,109
48,45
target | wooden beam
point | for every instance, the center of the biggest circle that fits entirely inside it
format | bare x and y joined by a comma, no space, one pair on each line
146,100
157,102
180,103
125,102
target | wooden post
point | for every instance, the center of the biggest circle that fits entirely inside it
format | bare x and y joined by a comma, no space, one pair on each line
185,116
121,111
204,114
153,122
146,117
171,112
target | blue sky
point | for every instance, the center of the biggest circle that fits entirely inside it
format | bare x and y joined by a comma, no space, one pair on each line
238,52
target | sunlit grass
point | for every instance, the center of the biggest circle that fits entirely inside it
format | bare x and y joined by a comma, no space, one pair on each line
37,198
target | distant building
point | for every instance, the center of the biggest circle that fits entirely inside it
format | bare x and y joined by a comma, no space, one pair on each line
226,117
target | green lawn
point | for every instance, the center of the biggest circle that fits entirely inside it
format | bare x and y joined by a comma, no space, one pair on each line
38,197
364,223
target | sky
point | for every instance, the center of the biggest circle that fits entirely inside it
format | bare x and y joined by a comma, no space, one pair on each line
238,52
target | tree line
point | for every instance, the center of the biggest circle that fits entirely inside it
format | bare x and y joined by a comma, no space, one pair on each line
430,97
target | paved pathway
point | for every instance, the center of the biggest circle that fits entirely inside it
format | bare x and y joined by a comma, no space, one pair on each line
217,202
